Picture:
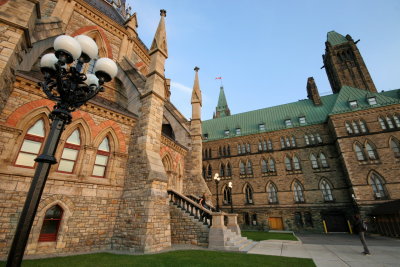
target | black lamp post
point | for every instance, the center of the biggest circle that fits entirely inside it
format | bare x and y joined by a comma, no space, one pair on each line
70,89
217,179
231,195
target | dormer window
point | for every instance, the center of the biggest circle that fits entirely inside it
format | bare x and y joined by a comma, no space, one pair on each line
288,123
226,132
302,120
353,103
261,127
238,131
372,100
205,136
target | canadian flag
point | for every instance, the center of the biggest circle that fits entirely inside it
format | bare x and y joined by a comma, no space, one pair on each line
218,78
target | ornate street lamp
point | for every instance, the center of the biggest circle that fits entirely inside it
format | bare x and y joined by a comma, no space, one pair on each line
217,179
231,195
70,89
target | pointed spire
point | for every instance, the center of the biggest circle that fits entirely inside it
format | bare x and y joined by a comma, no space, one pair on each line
196,93
335,38
160,38
222,109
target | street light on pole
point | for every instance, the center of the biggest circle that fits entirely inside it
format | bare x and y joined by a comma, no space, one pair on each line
217,179
231,195
70,89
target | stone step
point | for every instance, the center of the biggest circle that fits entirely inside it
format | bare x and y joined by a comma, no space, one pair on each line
249,246
237,242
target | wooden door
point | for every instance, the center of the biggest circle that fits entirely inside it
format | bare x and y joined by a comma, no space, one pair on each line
275,223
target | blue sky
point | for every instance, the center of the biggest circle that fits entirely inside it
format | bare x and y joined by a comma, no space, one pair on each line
265,50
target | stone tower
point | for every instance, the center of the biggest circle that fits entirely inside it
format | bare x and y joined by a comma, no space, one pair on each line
144,219
195,183
312,92
344,64
222,109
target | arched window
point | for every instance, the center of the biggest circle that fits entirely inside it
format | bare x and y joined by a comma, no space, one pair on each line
371,151
31,146
394,144
224,151
359,152
229,150
382,123
70,152
227,195
265,148
272,194
355,127
243,148
272,165
264,166
220,151
319,139
248,148
249,167
228,170
396,120
293,139
363,126
51,224
288,163
348,128
298,193
209,153
326,190
287,141
323,160
242,168
314,162
249,194
222,170
306,139
389,123
103,154
312,138
378,186
260,146
282,142
296,163
209,171
239,149
270,144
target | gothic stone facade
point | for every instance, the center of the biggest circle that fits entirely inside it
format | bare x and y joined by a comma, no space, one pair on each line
121,152
311,164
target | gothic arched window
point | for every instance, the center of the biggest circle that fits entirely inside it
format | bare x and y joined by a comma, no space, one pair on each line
222,170
272,165
227,195
348,128
249,167
272,194
371,151
323,160
288,163
51,224
242,168
326,190
264,166
314,162
228,170
31,145
298,193
102,157
359,152
296,163
239,149
382,123
70,152
209,171
377,184
249,194
269,144
395,146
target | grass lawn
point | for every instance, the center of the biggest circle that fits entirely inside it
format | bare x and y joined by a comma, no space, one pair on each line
174,258
258,236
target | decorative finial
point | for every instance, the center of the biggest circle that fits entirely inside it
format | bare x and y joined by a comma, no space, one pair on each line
163,12
196,69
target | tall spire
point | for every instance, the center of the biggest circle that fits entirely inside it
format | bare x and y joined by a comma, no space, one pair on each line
222,109
160,38
196,93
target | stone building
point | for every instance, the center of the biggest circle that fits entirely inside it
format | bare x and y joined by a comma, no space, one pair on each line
312,162
123,153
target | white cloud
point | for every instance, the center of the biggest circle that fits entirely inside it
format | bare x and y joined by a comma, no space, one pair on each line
181,87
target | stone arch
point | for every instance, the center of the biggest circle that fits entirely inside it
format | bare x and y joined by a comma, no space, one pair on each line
170,171
84,130
68,207
112,138
37,50
97,33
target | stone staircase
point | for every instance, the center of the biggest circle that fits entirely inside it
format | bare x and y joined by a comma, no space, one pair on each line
192,224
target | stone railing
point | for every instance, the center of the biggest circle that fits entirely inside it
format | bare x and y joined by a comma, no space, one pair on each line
197,199
191,207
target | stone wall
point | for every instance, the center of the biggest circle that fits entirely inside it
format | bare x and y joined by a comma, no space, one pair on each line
187,230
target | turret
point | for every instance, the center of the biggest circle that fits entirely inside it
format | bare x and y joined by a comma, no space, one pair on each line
222,108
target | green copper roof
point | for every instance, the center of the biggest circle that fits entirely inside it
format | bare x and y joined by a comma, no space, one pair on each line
335,38
222,104
274,118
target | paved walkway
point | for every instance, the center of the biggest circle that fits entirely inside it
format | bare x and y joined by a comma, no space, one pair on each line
335,250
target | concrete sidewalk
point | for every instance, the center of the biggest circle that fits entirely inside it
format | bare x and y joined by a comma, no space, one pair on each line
335,250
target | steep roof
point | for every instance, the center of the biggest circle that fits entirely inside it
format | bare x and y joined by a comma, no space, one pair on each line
335,38
274,118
